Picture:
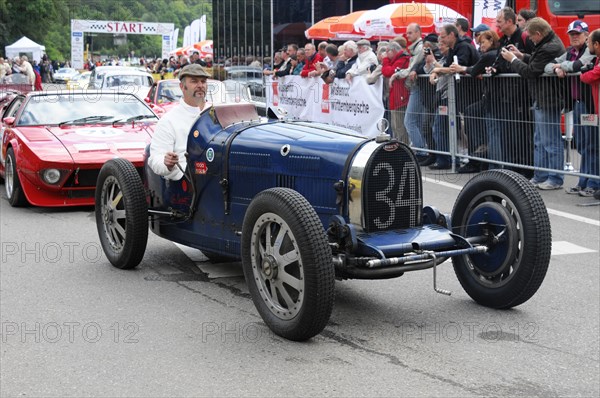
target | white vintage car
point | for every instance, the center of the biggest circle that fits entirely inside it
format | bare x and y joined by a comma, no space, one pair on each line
122,79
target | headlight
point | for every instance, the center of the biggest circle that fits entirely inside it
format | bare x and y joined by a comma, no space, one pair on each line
51,176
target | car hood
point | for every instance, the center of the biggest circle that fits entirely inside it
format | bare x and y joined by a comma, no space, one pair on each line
97,144
161,109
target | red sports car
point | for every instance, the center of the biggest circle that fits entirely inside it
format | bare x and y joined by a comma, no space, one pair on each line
54,143
163,95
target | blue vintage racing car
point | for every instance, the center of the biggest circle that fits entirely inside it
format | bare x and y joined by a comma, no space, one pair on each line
302,204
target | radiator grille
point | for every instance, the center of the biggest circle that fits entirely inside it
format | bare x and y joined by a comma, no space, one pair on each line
84,178
392,189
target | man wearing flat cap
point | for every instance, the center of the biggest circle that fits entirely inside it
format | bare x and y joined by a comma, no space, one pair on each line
169,142
366,58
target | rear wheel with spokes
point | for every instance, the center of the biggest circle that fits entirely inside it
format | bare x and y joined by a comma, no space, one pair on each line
121,213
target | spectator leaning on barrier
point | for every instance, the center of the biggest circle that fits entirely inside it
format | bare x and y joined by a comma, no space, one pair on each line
312,58
478,30
329,62
366,59
321,50
375,71
375,74
294,64
580,102
340,63
183,61
27,69
462,25
483,134
592,77
513,111
592,74
292,49
331,52
421,108
285,68
195,58
4,69
350,55
301,58
466,55
523,16
547,101
440,99
277,60
397,58
414,109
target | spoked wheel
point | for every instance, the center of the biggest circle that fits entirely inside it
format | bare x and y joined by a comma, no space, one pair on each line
505,208
121,213
12,183
288,264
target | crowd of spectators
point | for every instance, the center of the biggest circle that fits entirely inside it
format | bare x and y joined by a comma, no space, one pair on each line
20,66
175,63
510,121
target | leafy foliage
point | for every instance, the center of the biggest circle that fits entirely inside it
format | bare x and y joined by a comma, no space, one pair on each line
48,22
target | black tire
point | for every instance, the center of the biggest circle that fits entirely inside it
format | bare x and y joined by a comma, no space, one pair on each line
296,299
121,213
12,184
513,269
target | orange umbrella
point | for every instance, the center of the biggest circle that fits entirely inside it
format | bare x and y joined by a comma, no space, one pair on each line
344,28
407,13
320,30
392,19
205,47
178,51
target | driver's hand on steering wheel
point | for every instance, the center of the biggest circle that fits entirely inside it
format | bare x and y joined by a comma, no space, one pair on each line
171,159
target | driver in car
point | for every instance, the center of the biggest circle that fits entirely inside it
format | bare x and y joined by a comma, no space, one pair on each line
169,142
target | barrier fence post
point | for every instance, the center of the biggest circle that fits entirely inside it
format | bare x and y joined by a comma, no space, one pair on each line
452,130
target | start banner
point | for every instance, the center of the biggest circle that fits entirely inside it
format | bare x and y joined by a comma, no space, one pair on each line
355,105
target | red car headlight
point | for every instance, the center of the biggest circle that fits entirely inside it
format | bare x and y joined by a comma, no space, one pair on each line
51,176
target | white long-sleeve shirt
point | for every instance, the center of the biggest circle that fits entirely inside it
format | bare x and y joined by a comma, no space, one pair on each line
171,135
363,63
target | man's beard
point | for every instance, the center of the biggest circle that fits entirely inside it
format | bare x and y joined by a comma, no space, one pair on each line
195,94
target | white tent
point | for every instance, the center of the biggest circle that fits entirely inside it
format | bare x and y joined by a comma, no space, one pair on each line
25,46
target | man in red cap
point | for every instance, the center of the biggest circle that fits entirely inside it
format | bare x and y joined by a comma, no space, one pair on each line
580,102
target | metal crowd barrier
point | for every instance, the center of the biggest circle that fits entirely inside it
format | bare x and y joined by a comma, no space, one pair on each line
492,120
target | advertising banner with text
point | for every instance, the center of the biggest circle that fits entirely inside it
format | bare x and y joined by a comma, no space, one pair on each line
355,105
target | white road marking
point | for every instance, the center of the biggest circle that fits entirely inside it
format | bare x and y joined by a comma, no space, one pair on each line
216,270
559,213
563,247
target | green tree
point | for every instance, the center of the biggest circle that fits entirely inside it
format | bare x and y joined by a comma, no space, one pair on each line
48,22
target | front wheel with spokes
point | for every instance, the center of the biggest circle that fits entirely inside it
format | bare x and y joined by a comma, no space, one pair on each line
288,263
505,209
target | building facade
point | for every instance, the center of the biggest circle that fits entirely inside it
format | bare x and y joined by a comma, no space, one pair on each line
244,30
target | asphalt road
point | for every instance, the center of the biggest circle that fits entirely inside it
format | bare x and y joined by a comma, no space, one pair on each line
72,325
